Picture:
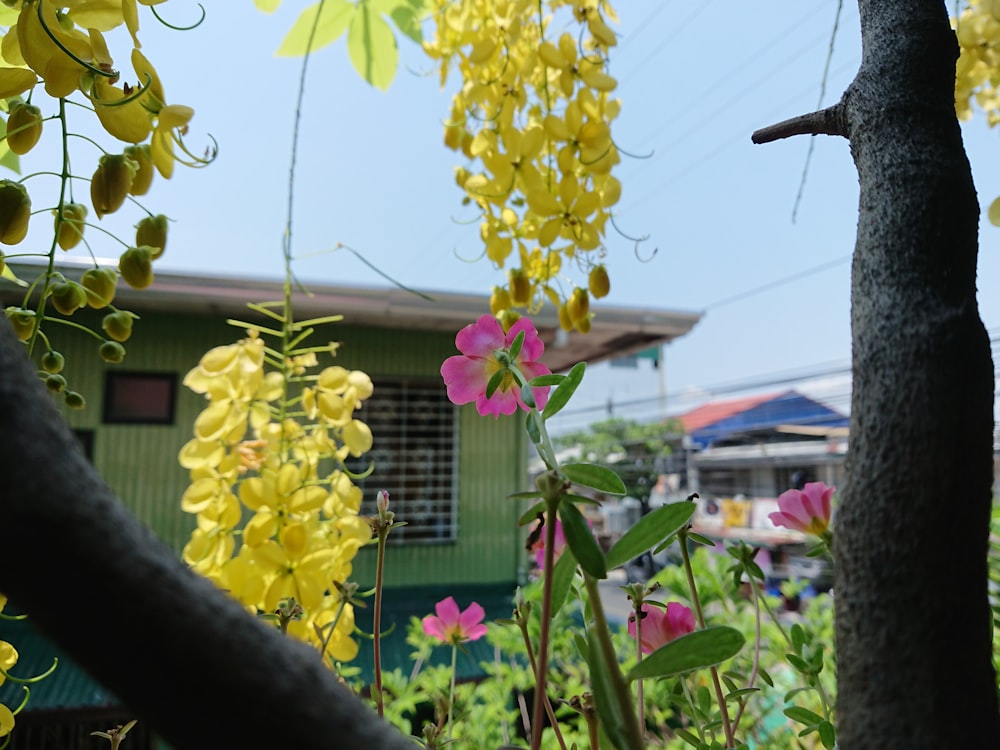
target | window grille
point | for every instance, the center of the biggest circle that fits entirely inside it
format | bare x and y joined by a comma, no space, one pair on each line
415,453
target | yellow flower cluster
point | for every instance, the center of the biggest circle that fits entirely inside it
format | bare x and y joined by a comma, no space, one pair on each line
978,70
8,658
277,458
534,116
60,50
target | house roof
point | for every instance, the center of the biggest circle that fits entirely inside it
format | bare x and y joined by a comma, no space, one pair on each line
713,412
782,412
615,331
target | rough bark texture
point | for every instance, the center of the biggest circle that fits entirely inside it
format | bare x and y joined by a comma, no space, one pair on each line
187,659
913,629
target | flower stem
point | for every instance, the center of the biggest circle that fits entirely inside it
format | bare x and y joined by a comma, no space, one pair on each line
451,691
717,684
377,627
541,669
532,661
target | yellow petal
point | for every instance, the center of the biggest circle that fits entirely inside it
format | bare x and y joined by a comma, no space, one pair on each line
14,81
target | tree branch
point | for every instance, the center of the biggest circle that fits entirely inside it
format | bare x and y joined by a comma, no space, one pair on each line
182,655
829,121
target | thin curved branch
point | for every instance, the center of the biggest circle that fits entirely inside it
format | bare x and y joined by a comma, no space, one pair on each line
829,121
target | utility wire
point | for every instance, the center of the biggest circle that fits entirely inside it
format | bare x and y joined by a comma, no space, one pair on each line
778,282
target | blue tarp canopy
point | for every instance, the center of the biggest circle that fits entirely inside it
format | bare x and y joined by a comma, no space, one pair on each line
789,408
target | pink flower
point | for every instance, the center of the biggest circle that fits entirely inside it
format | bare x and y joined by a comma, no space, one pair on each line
468,374
539,547
806,510
660,626
452,626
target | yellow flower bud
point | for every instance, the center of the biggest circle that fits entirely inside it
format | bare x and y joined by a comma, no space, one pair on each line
508,318
74,400
499,300
23,321
69,229
55,383
520,287
53,361
100,284
111,183
68,297
24,127
564,320
599,282
118,325
583,326
112,352
152,232
136,266
15,210
578,306
142,155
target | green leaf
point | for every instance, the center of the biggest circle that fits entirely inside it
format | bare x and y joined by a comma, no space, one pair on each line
739,693
803,715
337,16
702,648
827,735
562,579
515,346
581,540
599,478
528,396
533,427
494,382
407,15
697,538
612,698
372,47
545,380
268,6
799,663
561,395
531,513
688,737
650,530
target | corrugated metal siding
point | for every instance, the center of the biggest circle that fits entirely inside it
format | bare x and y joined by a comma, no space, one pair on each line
491,463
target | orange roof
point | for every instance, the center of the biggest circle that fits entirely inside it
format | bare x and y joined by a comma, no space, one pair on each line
716,411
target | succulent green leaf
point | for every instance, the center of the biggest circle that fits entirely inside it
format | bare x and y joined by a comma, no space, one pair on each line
531,513
515,346
528,396
803,715
596,477
649,531
372,47
827,735
702,648
581,540
612,698
337,16
533,427
561,395
495,380
543,380
562,579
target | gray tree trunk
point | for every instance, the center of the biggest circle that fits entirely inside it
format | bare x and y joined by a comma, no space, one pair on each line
912,619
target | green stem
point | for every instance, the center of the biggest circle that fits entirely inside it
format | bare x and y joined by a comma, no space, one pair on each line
602,632
717,684
383,533
533,663
541,670
451,691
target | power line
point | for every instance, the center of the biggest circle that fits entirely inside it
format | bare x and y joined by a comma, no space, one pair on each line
778,282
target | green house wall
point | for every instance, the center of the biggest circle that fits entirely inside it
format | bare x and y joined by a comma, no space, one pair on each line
140,461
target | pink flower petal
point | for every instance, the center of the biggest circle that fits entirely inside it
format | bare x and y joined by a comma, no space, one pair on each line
532,347
434,627
447,610
475,632
472,616
501,402
481,338
465,378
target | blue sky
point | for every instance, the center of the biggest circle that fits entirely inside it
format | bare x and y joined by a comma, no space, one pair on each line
695,81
